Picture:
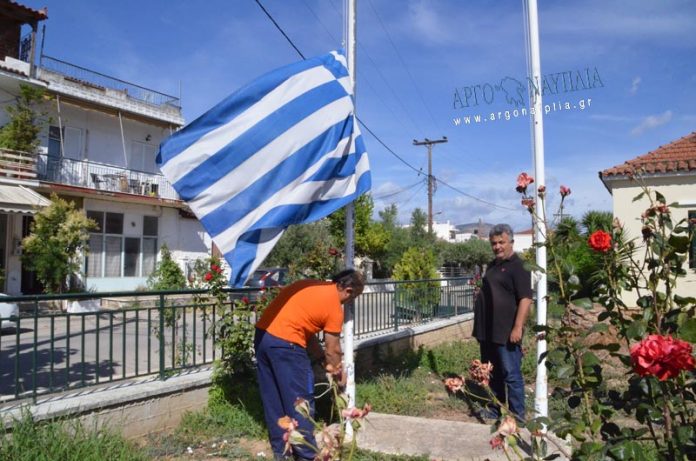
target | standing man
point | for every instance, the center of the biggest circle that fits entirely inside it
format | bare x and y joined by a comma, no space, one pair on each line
501,310
286,339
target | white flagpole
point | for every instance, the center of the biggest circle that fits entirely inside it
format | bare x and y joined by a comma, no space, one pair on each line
348,323
541,396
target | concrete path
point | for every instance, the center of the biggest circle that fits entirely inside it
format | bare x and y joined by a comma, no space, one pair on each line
437,439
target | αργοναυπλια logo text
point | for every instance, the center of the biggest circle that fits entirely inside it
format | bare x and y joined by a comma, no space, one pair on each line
513,91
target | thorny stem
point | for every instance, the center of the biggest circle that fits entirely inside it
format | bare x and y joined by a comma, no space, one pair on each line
650,424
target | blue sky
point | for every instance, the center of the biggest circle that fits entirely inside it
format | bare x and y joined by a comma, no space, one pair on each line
413,55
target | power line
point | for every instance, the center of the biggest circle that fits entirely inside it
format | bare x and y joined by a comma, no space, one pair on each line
363,51
377,138
403,63
280,29
400,191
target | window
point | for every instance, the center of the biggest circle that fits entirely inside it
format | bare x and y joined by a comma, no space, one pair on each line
142,157
72,142
113,254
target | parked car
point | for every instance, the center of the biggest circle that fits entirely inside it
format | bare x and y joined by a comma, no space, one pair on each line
262,279
9,312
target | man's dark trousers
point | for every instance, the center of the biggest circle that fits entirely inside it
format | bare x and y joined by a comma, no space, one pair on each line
507,373
284,373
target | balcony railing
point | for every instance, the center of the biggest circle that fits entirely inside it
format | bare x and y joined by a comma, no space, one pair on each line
100,81
99,176
17,164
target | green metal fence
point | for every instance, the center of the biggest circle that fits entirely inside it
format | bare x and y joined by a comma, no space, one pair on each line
53,348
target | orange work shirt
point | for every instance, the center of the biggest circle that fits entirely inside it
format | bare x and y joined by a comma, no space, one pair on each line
303,309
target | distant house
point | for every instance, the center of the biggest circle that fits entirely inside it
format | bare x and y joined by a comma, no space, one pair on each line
524,240
670,169
98,150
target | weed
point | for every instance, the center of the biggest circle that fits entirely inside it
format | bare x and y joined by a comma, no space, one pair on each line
64,440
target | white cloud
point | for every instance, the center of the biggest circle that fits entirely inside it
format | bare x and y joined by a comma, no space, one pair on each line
635,84
652,121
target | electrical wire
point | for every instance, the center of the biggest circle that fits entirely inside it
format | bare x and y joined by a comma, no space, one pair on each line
403,63
280,29
400,191
377,138
377,94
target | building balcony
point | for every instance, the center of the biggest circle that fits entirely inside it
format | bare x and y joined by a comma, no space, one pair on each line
17,166
102,177
94,87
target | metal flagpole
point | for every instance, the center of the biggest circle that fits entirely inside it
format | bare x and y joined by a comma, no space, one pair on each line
348,363
541,396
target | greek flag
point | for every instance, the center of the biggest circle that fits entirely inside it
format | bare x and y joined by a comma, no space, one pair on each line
285,149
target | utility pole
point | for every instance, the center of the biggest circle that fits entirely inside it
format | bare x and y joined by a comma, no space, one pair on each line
429,143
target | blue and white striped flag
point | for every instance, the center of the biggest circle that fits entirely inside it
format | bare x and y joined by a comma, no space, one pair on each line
285,149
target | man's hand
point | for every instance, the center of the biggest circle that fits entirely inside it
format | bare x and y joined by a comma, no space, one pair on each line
337,374
516,335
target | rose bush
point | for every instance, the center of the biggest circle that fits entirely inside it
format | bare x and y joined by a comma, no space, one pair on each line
662,357
651,412
600,241
330,438
639,401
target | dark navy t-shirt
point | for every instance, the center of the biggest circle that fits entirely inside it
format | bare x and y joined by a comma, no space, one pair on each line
504,284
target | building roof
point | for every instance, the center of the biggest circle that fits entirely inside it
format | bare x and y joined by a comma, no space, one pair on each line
675,157
21,13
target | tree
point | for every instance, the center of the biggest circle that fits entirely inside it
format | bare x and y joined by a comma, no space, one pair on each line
469,254
370,237
419,299
21,132
167,274
58,235
419,226
307,250
595,220
389,216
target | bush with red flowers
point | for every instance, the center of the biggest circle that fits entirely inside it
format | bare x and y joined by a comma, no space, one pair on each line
600,241
652,341
662,357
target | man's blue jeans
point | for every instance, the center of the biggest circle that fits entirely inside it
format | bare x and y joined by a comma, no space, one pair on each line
507,375
284,373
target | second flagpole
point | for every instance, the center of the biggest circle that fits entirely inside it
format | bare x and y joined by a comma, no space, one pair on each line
348,323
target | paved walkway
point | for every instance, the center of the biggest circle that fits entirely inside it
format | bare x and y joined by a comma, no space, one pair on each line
438,439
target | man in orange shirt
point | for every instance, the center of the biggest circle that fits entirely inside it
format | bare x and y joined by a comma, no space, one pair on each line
285,340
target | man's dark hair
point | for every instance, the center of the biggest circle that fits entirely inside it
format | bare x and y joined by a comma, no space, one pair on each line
349,278
500,229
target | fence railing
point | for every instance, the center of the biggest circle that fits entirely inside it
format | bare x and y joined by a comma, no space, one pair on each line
101,81
58,344
99,176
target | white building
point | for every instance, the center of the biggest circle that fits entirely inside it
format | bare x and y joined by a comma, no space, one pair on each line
99,151
670,170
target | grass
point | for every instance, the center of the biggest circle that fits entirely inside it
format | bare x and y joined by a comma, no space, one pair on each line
411,383
232,426
65,441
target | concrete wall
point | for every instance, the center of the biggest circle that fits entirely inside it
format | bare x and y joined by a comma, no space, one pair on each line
142,407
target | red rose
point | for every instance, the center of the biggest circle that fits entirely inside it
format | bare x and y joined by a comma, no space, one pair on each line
333,251
600,241
215,268
662,356
523,180
245,300
208,276
565,191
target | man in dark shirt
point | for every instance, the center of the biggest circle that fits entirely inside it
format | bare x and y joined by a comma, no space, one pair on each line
501,310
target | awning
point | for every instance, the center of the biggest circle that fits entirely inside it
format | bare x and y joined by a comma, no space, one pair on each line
20,199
